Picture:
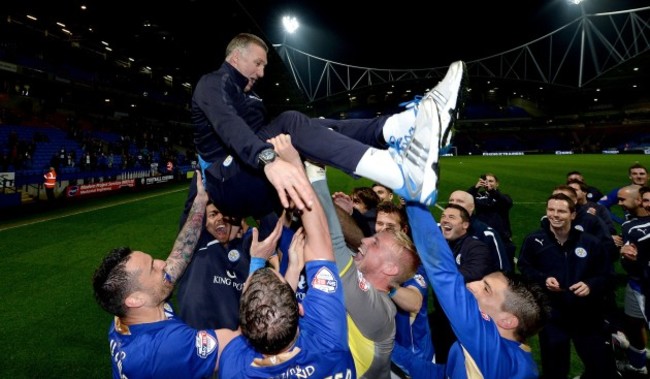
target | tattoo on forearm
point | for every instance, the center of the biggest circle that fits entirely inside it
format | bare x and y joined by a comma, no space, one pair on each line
186,241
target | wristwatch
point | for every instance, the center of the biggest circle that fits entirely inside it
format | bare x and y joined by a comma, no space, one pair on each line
266,156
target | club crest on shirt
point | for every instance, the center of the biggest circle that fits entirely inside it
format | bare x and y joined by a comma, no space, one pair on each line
580,228
419,279
324,280
227,161
458,259
581,252
205,344
233,255
363,283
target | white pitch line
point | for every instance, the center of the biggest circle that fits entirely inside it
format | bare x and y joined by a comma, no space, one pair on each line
88,210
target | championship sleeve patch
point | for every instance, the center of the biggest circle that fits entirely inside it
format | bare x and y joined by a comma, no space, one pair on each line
205,344
324,280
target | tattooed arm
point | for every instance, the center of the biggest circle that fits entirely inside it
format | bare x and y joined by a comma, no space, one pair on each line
188,237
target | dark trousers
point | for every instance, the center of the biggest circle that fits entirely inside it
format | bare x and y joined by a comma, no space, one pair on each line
50,194
442,335
590,342
242,191
313,137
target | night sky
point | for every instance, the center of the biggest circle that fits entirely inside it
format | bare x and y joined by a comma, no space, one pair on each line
405,35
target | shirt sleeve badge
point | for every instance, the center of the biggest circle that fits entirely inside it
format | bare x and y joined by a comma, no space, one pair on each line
324,280
205,344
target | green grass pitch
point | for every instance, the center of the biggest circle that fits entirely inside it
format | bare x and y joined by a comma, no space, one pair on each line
51,326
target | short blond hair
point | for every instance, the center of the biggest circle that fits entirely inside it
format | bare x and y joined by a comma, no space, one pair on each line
405,256
242,40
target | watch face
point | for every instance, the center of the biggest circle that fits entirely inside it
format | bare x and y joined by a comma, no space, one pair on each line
267,156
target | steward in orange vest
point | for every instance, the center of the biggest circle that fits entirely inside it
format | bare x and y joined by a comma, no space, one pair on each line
50,183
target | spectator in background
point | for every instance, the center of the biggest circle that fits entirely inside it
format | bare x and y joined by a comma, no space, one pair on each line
361,204
592,193
146,339
483,231
384,193
62,155
585,205
635,255
50,184
589,223
493,208
638,174
574,269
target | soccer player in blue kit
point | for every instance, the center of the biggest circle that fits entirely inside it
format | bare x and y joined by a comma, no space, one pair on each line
280,337
146,339
491,317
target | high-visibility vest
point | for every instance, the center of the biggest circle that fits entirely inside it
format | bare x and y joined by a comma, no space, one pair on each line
50,179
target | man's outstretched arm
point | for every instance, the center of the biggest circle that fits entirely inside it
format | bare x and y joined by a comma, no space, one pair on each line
317,242
188,237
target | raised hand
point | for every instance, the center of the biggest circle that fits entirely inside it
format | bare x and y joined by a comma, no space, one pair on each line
285,150
287,175
344,201
266,248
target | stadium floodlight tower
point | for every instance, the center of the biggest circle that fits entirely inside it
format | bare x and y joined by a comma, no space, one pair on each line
584,22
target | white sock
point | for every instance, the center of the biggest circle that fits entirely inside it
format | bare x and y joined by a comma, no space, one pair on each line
398,125
314,172
377,165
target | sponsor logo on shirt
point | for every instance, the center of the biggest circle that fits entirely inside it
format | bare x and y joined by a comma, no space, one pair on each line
205,344
324,280
228,281
363,284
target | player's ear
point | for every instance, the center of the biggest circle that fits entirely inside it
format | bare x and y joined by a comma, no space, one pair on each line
135,300
391,269
508,321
